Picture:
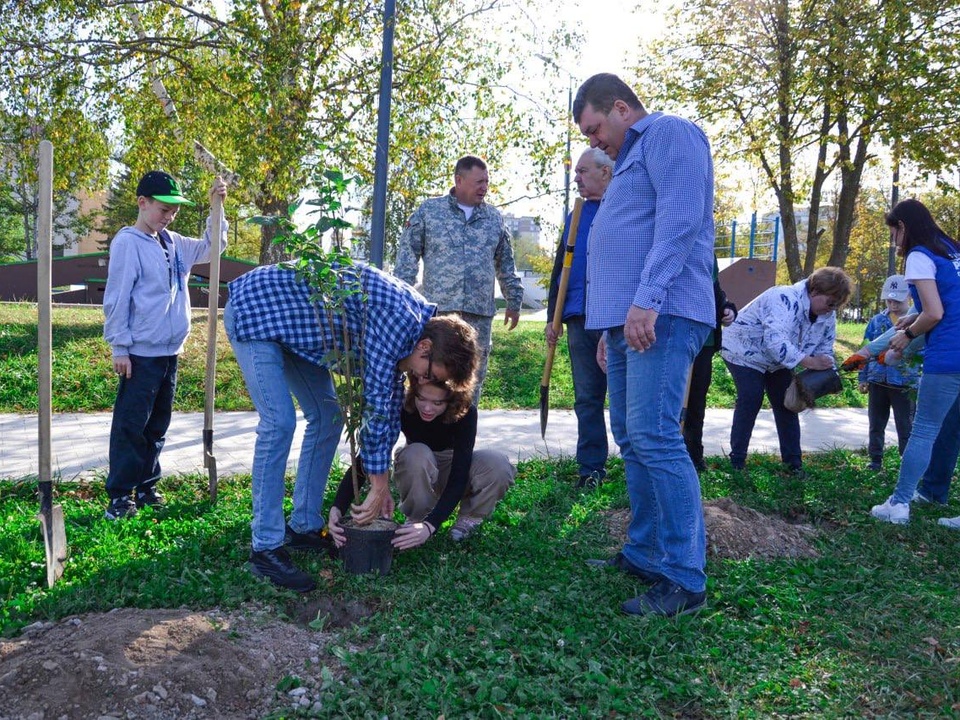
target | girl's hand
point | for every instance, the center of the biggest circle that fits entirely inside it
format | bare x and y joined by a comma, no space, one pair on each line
411,535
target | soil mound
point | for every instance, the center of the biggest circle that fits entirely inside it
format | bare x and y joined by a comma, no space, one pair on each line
171,664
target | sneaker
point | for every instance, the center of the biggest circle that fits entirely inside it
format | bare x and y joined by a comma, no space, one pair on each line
920,499
464,527
120,507
275,565
891,512
318,541
952,523
666,599
620,562
591,481
148,496
875,465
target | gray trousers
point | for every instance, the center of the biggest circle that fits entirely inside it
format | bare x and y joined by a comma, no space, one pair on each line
421,476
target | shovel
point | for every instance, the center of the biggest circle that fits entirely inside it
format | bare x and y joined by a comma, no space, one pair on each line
51,516
558,315
213,306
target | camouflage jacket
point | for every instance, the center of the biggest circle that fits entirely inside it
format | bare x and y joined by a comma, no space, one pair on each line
461,257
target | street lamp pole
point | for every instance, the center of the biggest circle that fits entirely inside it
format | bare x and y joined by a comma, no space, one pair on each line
379,211
567,160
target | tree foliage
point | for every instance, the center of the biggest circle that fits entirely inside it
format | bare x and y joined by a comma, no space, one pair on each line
275,88
807,90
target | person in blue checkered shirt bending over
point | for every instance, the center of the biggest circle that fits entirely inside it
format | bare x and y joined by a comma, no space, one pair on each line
650,290
281,341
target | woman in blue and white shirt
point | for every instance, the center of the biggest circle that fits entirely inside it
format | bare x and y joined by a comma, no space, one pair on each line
932,269
785,326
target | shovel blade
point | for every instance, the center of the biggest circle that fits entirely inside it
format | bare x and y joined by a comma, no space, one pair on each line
54,542
210,463
544,409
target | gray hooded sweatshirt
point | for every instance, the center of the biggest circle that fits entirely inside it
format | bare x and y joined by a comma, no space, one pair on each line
146,302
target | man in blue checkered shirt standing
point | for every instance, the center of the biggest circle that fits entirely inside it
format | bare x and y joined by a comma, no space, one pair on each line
281,340
650,289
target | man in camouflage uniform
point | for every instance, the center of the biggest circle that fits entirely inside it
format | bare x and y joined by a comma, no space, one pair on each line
464,245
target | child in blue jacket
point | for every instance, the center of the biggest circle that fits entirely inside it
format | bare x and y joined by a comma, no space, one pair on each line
888,386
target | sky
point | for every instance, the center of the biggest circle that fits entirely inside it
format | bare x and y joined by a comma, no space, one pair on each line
613,33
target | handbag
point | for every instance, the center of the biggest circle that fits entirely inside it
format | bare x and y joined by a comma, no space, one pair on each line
806,387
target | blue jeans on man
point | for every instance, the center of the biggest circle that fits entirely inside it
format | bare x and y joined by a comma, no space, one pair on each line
141,417
589,397
272,374
937,405
751,385
666,534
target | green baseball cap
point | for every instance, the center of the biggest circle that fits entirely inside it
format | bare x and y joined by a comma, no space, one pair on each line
161,186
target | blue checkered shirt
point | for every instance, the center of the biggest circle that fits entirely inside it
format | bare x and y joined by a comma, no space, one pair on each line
651,243
270,303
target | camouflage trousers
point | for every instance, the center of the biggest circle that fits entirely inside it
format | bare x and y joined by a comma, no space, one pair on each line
483,324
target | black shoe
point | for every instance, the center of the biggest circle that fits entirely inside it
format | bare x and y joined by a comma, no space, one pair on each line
666,599
590,482
620,562
275,565
120,507
876,465
148,496
319,541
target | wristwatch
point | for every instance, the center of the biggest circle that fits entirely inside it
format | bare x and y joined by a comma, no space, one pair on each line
909,333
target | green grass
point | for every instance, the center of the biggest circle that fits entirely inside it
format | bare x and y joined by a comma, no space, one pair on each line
83,378
513,624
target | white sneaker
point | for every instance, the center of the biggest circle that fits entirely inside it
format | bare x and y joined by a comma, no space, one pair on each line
464,527
920,498
897,513
952,523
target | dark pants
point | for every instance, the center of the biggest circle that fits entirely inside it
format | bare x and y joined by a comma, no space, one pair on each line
701,375
590,394
141,416
751,385
881,399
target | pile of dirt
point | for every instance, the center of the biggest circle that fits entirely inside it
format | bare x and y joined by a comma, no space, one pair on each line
735,532
172,664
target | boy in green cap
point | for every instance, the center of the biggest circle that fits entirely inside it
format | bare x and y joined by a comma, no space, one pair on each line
147,310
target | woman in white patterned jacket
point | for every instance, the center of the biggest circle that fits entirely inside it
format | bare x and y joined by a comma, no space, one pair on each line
784,327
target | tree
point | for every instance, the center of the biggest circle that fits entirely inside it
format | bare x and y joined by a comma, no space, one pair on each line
808,89
277,87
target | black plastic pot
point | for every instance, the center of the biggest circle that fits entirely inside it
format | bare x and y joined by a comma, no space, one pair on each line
368,548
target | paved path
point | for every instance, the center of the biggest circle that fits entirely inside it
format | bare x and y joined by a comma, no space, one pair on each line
80,441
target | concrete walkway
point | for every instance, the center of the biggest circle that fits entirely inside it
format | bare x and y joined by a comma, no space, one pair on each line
80,441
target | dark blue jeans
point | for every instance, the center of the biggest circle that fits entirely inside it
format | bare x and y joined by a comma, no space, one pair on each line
590,394
141,416
751,385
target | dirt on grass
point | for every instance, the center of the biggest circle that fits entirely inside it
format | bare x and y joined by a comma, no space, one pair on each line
132,664
174,664
737,533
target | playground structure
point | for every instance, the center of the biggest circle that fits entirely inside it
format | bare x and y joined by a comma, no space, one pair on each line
81,279
747,261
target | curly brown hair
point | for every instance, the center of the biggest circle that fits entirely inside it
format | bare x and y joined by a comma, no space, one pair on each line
458,401
454,345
